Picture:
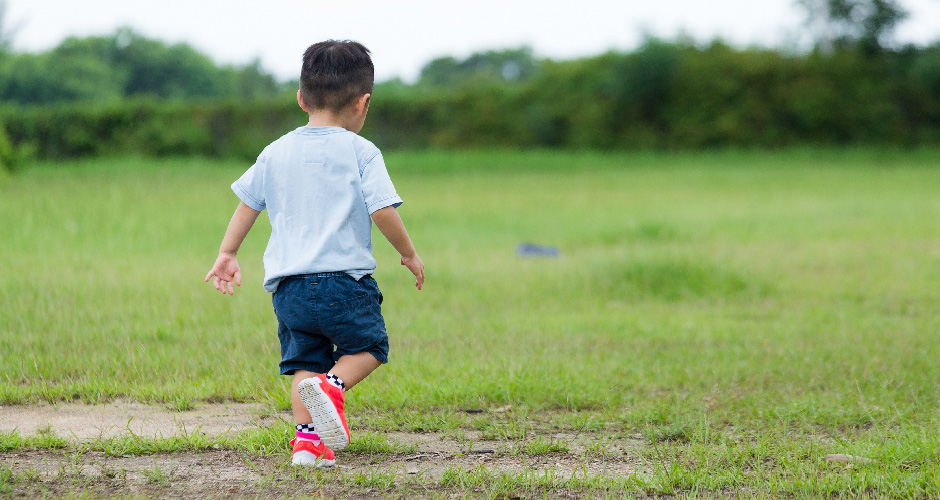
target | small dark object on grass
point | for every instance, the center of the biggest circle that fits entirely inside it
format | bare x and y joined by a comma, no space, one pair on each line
472,410
533,250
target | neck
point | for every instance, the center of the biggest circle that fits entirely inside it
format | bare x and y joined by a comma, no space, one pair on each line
348,119
322,118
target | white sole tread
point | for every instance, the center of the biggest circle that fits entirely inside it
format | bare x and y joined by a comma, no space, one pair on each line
325,418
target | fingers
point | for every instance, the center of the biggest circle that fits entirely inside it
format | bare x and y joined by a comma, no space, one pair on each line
417,268
418,271
221,284
208,276
231,289
238,277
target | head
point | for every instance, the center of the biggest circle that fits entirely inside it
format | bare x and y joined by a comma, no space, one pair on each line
335,76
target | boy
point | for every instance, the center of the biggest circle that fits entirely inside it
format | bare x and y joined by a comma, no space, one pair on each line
321,185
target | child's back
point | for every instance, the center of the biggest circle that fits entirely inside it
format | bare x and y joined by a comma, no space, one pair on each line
319,185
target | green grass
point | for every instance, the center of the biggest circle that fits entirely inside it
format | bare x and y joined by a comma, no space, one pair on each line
747,313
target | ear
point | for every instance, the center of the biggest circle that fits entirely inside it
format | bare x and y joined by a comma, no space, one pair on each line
300,101
362,104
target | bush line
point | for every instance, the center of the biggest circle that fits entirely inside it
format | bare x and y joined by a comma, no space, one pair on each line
662,96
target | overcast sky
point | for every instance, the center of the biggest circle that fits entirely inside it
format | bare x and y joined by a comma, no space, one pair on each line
405,34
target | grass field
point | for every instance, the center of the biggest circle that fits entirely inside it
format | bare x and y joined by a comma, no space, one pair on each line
746,313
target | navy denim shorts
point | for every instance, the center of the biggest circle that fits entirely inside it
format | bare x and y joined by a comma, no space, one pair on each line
316,312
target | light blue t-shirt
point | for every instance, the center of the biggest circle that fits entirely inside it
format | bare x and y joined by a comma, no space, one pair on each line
320,185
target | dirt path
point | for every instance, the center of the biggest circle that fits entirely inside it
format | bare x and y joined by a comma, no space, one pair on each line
81,421
227,473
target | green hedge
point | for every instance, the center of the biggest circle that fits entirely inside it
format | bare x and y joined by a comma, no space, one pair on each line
663,95
151,127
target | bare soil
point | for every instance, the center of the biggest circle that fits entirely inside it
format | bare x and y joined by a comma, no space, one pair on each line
227,473
83,421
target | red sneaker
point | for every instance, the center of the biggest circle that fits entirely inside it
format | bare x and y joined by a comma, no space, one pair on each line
310,455
324,401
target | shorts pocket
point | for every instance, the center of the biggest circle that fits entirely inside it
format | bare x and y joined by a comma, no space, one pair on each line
356,324
360,301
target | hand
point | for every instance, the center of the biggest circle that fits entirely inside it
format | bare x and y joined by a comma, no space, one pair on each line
416,267
224,273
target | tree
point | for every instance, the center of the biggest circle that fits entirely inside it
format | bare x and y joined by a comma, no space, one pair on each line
7,33
125,64
515,65
865,23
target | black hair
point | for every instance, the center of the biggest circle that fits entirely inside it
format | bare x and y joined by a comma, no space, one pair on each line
335,73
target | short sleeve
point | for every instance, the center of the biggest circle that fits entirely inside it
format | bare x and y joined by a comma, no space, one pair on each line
250,186
377,188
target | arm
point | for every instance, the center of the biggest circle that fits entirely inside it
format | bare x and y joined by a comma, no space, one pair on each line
389,222
225,270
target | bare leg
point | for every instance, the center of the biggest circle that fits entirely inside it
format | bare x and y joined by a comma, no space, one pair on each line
301,415
352,368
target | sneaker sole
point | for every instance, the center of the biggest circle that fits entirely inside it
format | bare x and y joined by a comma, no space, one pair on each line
307,459
325,418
